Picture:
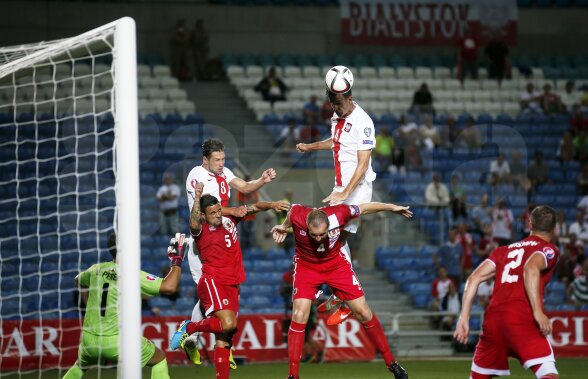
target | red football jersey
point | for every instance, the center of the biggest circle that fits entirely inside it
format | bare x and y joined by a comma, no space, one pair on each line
509,287
220,251
307,249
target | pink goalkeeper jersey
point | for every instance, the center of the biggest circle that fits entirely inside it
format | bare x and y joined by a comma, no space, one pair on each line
351,134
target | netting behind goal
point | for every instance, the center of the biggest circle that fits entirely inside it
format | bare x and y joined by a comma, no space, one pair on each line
59,180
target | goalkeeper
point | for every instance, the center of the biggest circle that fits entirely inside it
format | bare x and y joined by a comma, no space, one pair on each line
99,340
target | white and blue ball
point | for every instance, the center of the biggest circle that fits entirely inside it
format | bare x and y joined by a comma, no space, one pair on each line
339,79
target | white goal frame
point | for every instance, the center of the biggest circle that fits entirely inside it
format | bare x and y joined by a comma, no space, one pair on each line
127,168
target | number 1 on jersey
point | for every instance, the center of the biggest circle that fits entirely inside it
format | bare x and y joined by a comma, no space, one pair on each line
518,257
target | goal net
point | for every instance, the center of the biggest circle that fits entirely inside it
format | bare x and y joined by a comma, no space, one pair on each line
68,179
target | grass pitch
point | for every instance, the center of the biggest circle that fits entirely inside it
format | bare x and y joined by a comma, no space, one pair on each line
417,369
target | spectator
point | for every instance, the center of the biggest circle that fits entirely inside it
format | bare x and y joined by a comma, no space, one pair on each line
550,101
457,197
397,163
578,291
436,194
497,53
384,147
485,292
525,218
247,224
449,132
583,205
407,132
179,48
580,144
450,303
487,243
271,87
449,256
326,112
440,288
580,228
429,134
471,135
502,223
570,98
167,196
309,133
561,228
422,101
289,136
530,100
200,50
468,56
481,214
565,152
578,122
538,170
574,245
518,172
583,180
413,157
565,266
500,171
312,111
466,241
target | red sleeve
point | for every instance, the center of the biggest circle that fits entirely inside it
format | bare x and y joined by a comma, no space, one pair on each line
434,289
550,254
495,255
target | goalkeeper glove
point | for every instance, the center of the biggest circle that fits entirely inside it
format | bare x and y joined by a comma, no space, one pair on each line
176,249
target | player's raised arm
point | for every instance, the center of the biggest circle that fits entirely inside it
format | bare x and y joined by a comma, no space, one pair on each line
373,207
262,206
326,144
253,185
532,274
484,272
195,216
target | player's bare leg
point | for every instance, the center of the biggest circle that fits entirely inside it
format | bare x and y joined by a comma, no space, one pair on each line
300,314
374,330
158,364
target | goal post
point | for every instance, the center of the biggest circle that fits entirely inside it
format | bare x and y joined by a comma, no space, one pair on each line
69,176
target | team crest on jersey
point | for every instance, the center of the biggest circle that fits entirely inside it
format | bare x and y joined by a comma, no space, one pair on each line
225,302
348,127
151,277
229,225
549,253
194,183
333,237
303,233
354,209
367,132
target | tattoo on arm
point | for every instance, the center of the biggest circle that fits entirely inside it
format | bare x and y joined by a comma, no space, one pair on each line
195,217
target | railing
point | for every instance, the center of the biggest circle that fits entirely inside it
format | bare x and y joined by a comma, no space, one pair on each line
407,333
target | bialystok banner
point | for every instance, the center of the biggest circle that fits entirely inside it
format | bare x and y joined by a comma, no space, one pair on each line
33,344
425,22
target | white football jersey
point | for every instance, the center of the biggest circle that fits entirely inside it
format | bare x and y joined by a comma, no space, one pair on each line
215,185
350,134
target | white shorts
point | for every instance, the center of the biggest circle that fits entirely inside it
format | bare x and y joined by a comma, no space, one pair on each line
195,263
361,195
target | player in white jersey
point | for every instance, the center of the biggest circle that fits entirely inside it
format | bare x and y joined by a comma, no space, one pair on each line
218,181
352,140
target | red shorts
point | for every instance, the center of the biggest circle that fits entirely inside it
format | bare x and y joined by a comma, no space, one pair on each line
215,296
338,275
506,335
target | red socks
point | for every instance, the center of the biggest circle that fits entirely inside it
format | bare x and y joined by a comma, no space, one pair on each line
221,362
295,345
208,325
476,375
375,332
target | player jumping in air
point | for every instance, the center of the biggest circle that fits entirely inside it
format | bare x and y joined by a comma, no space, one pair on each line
100,331
514,322
320,259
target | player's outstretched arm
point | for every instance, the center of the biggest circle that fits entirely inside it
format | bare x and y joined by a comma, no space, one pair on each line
175,252
253,185
367,208
195,223
532,274
484,272
279,232
320,145
262,206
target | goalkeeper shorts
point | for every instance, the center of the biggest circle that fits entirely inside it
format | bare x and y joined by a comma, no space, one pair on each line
96,350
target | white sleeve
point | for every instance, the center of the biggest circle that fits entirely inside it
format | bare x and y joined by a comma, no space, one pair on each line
190,189
229,176
159,192
365,135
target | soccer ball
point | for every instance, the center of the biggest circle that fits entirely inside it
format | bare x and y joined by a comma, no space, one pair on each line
339,79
